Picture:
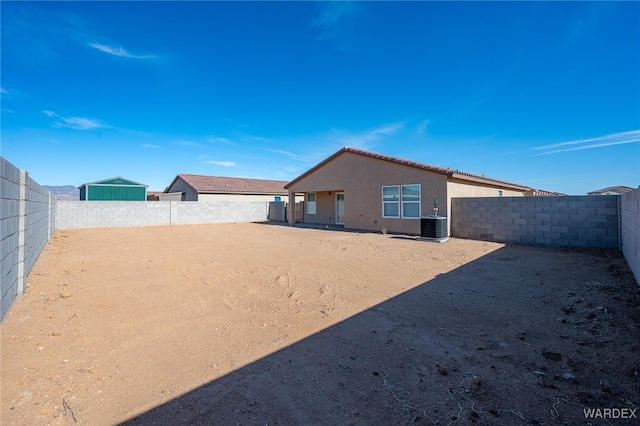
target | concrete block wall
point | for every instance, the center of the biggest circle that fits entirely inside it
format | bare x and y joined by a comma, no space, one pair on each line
112,214
566,221
115,214
40,221
27,222
9,223
277,211
200,212
630,230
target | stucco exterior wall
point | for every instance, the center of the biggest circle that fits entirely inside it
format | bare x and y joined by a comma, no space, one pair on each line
181,186
361,179
325,208
171,196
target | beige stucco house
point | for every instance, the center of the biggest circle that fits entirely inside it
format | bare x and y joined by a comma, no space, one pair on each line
369,191
187,187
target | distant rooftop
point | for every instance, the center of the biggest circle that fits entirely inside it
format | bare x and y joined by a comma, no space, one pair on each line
543,193
222,184
611,190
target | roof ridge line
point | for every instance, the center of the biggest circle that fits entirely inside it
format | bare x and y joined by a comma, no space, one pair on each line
229,177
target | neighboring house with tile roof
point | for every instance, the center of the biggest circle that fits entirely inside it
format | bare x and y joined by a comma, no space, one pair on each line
542,193
188,187
153,195
611,190
366,190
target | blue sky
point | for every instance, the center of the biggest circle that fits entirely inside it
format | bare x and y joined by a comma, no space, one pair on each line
545,94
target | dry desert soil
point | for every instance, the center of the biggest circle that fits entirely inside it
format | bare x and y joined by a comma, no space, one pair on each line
257,324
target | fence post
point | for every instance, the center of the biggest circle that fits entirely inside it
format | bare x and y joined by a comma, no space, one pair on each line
22,227
619,221
49,217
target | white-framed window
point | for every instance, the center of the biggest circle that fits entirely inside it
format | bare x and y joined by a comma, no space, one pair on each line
311,203
411,201
401,201
391,201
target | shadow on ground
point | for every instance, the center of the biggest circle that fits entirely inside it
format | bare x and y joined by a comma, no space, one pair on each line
478,345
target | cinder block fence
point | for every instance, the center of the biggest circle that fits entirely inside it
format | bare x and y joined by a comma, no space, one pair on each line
630,230
115,214
566,221
27,222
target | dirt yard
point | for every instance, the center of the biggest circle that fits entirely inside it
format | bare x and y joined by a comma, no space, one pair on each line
268,324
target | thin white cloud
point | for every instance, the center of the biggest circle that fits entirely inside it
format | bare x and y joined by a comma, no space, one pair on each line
218,140
118,51
220,163
253,138
321,145
78,123
422,127
367,138
150,146
297,157
334,15
3,91
190,144
621,138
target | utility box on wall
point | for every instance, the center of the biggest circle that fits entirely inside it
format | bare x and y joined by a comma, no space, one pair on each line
433,227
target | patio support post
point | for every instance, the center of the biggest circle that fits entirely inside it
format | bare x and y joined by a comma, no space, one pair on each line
292,208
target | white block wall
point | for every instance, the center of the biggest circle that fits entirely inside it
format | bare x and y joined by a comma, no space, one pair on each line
111,214
27,222
9,212
115,214
199,212
40,221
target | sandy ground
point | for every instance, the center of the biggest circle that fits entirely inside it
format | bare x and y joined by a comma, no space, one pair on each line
267,324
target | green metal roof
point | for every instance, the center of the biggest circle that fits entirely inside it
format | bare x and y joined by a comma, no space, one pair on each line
118,180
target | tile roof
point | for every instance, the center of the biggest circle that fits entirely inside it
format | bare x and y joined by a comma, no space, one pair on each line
617,189
456,174
543,193
222,184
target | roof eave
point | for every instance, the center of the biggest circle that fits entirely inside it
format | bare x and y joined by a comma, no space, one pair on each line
427,167
241,192
487,181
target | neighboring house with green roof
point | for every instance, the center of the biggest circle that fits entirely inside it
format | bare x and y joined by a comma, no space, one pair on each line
113,189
